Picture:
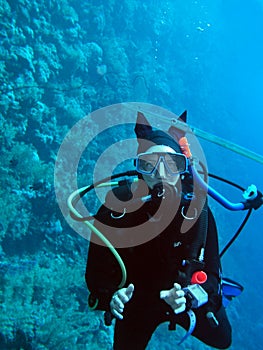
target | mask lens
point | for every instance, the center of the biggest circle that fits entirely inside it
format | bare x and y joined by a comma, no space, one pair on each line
146,163
176,163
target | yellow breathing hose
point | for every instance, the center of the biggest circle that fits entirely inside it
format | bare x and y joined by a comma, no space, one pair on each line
72,198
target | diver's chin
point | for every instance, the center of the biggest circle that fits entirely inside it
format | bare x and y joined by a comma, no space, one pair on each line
164,182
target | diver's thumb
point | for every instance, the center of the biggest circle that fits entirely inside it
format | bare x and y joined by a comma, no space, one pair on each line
129,290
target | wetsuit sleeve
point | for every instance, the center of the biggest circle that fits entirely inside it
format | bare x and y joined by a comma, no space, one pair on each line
100,277
212,263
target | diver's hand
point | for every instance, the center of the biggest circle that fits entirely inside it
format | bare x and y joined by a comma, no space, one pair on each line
175,298
119,298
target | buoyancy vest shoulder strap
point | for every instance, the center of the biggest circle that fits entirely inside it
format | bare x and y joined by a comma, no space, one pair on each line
201,227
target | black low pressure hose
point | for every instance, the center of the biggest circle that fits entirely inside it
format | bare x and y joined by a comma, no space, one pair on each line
236,234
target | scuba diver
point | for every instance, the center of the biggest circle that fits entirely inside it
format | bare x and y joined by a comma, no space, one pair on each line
173,276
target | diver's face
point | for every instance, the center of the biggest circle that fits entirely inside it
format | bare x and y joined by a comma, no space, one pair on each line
161,174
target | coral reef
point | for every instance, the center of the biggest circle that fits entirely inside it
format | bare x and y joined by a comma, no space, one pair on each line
52,71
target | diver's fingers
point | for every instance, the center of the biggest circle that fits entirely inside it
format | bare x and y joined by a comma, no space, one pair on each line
117,302
177,286
180,309
176,290
116,306
180,301
129,291
117,314
125,294
175,298
179,293
164,294
172,294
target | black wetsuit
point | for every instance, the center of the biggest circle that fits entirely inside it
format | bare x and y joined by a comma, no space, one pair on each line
152,267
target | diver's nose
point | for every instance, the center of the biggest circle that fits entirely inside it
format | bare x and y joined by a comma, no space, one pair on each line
161,170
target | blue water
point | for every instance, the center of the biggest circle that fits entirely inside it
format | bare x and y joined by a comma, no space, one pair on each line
61,60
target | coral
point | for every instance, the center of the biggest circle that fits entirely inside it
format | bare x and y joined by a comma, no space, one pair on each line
116,57
48,53
47,313
25,90
14,216
73,111
8,133
43,72
5,9
22,56
26,166
68,13
21,168
94,50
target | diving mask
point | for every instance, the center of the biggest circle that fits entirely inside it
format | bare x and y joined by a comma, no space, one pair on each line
148,163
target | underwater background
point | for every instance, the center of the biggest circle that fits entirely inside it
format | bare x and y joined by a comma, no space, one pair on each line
62,59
